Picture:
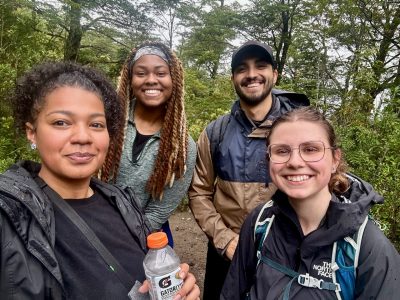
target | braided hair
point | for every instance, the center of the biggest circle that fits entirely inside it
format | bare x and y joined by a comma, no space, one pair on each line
170,163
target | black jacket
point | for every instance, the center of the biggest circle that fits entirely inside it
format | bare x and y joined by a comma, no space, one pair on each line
28,266
378,271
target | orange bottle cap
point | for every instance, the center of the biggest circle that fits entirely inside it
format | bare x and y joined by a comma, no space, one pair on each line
157,240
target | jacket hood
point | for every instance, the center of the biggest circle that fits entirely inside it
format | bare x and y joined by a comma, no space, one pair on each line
346,213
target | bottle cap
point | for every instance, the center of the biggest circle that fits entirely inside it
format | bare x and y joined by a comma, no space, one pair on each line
157,240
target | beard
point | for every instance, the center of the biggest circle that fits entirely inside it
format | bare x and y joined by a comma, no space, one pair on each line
256,98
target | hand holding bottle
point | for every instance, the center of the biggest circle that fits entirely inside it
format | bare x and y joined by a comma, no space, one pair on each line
189,289
167,279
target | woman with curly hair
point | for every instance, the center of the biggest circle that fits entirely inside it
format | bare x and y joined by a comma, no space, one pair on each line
154,154
65,234
314,239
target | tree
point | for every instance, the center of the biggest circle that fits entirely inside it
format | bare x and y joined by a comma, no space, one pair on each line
21,46
71,20
166,14
360,45
209,39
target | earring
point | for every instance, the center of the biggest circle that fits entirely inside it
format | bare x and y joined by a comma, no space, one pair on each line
33,146
333,170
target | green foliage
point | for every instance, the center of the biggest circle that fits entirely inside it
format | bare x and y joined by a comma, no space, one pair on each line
206,44
342,54
75,23
22,45
206,99
371,149
12,148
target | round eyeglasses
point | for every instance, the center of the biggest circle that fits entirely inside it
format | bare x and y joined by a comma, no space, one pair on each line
311,151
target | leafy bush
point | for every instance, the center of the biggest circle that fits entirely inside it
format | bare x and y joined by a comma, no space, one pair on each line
371,149
12,148
206,99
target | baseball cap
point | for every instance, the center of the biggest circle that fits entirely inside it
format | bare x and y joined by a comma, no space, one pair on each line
252,48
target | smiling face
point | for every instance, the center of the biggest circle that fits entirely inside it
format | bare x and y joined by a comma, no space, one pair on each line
254,79
71,135
298,179
151,81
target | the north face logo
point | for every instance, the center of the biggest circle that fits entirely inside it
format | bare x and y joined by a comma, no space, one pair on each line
324,270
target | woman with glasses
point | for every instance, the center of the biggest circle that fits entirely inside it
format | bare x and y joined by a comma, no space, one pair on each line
314,239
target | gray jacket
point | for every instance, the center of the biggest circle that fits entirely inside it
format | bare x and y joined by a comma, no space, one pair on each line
136,174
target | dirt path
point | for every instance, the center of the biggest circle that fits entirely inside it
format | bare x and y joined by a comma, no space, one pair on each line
190,243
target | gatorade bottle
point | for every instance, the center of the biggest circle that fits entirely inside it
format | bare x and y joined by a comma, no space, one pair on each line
161,266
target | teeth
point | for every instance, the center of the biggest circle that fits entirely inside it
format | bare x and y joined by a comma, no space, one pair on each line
255,84
152,92
298,178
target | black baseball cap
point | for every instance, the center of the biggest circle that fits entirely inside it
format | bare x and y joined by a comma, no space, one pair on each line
251,48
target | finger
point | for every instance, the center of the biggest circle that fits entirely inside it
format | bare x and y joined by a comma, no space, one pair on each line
184,270
194,294
188,286
144,288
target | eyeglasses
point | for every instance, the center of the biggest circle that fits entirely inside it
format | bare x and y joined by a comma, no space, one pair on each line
311,151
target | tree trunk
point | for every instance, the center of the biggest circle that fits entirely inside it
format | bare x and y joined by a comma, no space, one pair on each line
75,32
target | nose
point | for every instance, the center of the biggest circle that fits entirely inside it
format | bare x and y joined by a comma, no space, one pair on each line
151,78
252,72
81,135
295,160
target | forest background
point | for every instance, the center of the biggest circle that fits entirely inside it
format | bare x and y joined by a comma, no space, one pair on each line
344,54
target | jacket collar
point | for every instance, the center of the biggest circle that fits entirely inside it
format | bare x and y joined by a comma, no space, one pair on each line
131,119
262,130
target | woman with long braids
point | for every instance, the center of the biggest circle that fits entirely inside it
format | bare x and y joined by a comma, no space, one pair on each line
154,154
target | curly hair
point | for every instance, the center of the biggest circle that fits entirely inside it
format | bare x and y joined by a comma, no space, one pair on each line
32,88
170,163
338,182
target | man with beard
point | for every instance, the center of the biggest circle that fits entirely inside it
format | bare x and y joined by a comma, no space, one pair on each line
231,175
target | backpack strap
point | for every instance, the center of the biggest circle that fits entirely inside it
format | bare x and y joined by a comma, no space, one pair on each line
218,128
262,227
345,255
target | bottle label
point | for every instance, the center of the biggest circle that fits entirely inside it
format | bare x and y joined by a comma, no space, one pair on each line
166,286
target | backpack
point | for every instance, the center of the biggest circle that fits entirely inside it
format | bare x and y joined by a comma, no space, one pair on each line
344,262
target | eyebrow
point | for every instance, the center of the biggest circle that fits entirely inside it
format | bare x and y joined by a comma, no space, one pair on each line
68,113
144,66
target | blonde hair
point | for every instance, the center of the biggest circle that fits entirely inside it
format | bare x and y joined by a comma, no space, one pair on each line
170,163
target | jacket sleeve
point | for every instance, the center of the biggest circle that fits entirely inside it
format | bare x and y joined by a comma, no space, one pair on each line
201,193
244,263
158,212
378,273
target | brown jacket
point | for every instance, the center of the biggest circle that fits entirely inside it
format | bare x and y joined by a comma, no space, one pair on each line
231,179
